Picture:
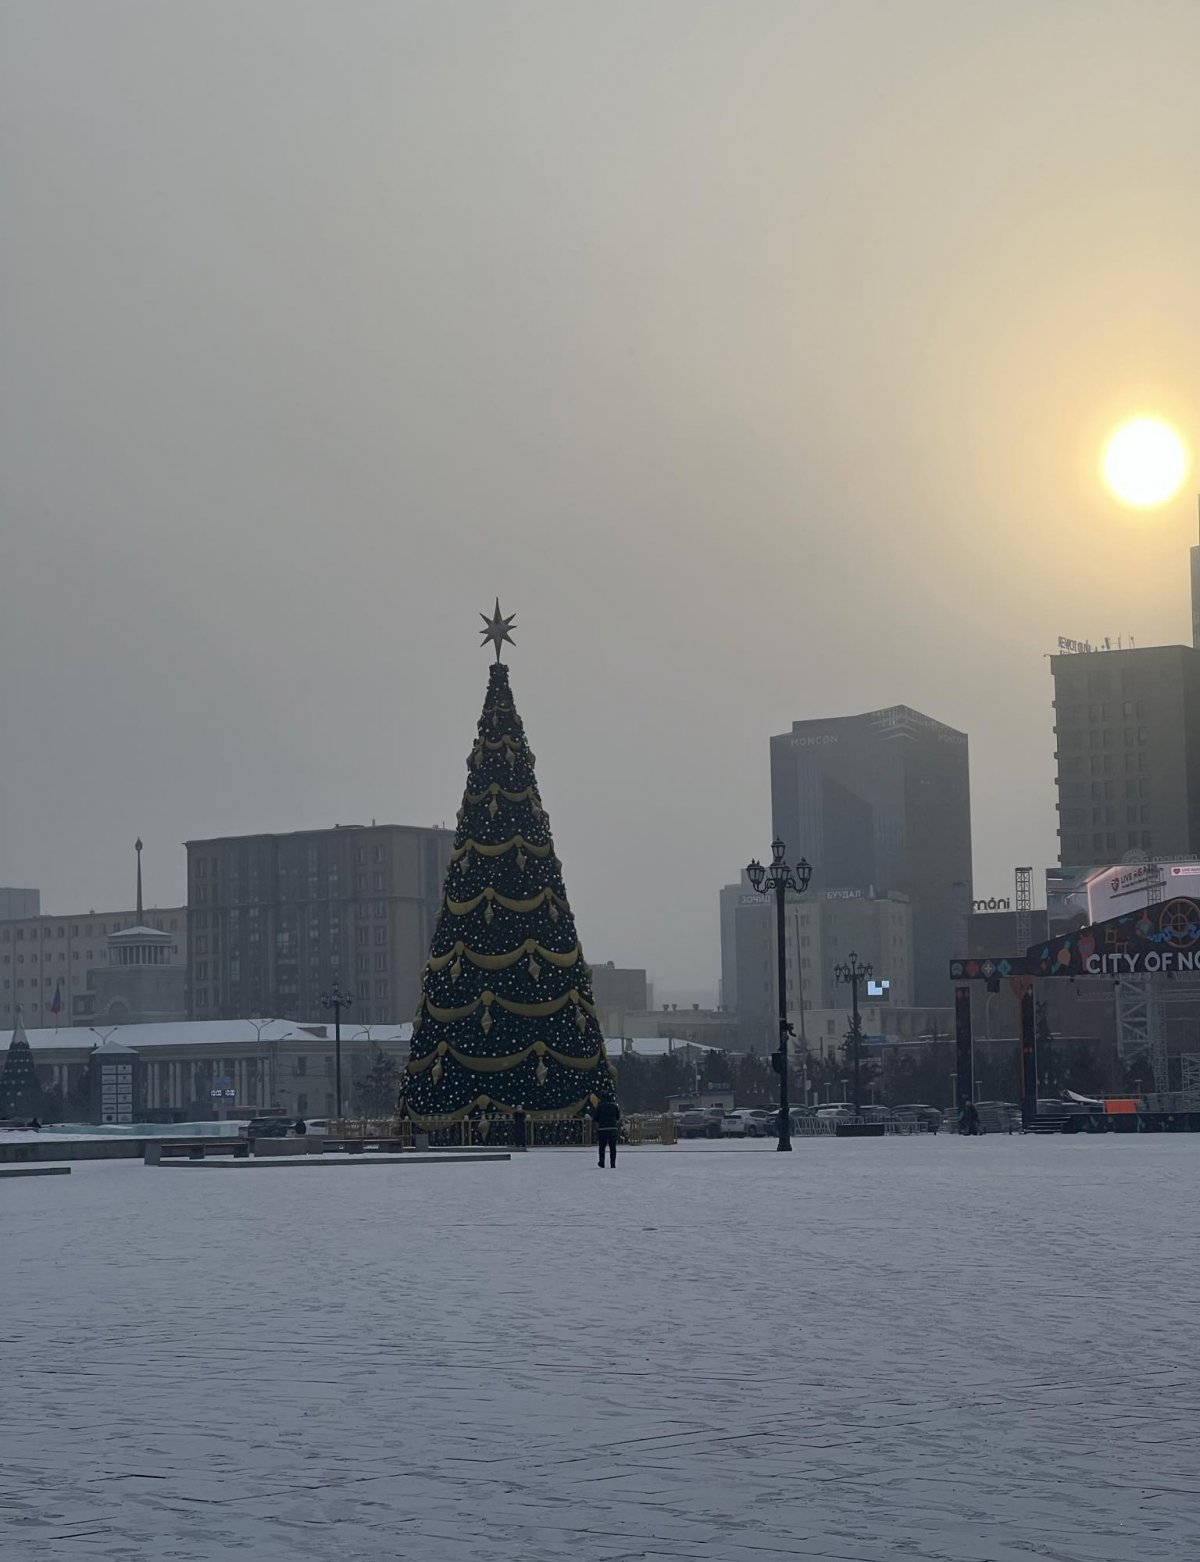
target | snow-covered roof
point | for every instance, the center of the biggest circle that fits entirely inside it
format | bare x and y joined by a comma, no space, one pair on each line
654,1046
199,1034
204,1033
140,934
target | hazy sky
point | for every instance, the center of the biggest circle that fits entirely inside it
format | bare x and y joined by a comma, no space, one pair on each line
757,355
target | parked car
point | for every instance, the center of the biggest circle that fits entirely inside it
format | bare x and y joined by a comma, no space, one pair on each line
878,1114
748,1122
268,1127
700,1122
929,1116
835,1109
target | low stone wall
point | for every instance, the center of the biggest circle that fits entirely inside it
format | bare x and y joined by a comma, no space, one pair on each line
52,1148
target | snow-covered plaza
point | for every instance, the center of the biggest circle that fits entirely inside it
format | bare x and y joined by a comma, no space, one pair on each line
913,1348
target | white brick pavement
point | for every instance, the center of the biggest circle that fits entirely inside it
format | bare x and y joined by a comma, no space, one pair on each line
916,1349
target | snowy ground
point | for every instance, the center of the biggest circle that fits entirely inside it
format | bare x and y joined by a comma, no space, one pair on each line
915,1348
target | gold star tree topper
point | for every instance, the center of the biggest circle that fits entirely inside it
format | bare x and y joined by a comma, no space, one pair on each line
497,628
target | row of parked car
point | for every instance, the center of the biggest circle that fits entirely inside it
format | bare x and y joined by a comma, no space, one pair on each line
928,1117
754,1122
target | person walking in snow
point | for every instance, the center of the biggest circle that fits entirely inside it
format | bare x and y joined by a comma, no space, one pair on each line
607,1116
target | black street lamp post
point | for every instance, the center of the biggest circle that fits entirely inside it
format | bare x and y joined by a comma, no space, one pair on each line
849,975
337,1000
782,878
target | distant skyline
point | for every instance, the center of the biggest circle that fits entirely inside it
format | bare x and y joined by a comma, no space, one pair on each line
758,358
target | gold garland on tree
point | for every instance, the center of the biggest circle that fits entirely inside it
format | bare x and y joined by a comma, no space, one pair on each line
463,908
500,1064
529,1011
484,850
501,962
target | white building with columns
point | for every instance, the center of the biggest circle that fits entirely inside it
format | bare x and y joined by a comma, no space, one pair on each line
229,1068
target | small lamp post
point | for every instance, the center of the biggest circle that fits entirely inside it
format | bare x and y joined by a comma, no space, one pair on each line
778,878
850,975
337,1000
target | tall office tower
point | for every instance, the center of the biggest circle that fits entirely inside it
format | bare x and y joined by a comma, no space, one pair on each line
881,803
732,896
1127,727
273,920
821,928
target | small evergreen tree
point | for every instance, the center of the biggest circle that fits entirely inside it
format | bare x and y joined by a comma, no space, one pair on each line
375,1088
20,1093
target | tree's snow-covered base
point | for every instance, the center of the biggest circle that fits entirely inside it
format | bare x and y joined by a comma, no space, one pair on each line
914,1348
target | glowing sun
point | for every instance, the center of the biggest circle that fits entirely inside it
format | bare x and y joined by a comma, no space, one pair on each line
1144,462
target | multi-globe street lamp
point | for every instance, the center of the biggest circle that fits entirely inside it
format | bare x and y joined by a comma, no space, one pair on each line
337,1000
777,878
850,975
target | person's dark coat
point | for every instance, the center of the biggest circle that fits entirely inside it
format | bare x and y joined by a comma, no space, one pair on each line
607,1115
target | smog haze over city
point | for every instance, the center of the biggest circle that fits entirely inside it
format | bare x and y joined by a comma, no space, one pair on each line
758,357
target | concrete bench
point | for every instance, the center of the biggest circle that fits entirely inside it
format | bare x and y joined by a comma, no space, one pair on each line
158,1150
361,1144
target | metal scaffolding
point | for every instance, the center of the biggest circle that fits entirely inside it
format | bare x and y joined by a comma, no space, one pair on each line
1140,1032
1189,1067
1024,908
1140,1029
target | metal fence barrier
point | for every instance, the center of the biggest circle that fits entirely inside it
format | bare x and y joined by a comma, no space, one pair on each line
498,1129
813,1127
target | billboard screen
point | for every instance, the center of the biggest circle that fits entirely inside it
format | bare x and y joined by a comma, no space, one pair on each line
1128,886
1131,885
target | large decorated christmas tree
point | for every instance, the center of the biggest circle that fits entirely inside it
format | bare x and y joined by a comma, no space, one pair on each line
20,1093
506,1020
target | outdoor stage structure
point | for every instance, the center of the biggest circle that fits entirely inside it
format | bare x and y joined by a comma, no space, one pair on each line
1139,953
